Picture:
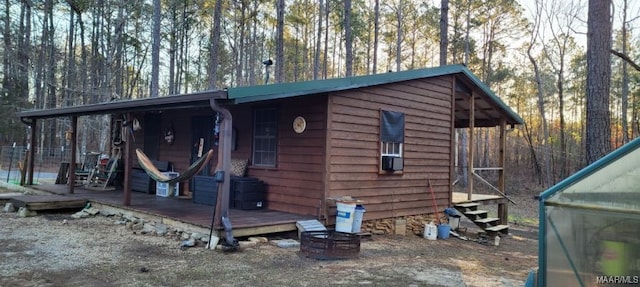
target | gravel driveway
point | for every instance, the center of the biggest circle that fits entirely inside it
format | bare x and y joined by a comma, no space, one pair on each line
56,250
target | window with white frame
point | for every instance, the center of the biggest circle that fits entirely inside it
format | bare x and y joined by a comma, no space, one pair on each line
391,149
391,140
265,141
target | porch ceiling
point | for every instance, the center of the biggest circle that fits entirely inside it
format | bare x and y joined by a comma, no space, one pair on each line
486,114
195,100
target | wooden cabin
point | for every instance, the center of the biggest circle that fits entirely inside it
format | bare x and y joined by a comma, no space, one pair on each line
378,138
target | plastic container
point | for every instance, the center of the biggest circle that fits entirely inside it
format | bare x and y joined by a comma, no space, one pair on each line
454,222
430,231
453,217
357,219
444,230
615,258
344,216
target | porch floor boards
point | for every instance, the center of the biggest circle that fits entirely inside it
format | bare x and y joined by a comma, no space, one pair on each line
462,197
244,222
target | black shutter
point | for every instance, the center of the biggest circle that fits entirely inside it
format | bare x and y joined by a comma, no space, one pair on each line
392,127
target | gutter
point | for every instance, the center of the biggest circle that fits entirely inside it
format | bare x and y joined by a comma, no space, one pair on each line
221,214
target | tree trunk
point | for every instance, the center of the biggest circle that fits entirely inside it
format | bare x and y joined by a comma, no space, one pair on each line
625,77
325,66
598,134
444,24
399,35
376,32
280,41
316,57
173,46
348,43
155,51
541,107
215,44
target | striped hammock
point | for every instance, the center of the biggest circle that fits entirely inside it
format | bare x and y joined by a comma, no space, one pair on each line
158,176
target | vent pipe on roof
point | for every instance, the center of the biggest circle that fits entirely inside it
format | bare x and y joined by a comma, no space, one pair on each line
267,64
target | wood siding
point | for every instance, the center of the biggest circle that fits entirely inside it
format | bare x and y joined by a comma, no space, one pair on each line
354,152
296,183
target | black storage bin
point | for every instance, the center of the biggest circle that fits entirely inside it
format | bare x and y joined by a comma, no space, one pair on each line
247,193
142,182
205,190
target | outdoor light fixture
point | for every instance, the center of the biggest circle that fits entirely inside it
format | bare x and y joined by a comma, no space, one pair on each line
169,136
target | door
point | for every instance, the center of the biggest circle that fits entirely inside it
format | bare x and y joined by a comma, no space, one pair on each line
202,140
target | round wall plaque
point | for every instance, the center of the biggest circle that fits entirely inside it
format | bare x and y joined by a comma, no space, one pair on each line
299,124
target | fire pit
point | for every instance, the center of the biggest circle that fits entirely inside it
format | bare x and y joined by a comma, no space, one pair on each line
327,245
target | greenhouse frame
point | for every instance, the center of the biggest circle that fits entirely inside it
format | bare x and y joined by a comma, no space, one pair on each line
590,224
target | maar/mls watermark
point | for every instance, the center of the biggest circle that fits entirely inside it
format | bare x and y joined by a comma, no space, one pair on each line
618,279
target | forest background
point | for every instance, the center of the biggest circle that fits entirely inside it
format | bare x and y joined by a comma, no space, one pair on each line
532,54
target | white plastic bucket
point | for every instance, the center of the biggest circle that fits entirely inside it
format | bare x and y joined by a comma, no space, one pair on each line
454,222
345,216
357,219
430,231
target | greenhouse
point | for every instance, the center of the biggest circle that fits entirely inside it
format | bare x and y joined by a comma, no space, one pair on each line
590,224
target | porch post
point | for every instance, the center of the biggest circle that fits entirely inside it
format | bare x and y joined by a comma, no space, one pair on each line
503,208
74,149
126,195
472,123
30,169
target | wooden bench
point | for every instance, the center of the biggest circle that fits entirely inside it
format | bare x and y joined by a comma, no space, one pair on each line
140,180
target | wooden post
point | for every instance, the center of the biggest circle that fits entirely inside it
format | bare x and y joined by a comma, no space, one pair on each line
126,200
503,208
74,149
31,154
472,123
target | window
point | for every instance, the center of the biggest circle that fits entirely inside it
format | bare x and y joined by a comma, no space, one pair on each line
391,149
391,141
265,125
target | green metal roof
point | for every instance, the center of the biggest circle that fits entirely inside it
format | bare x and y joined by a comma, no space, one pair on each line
287,90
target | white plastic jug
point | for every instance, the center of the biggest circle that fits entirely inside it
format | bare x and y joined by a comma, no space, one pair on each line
430,231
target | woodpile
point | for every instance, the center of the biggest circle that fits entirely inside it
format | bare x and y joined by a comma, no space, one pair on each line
415,224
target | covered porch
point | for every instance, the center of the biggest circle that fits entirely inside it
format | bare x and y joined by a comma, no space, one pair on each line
175,210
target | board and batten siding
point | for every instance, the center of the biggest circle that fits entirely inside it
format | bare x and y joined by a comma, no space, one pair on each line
354,147
296,183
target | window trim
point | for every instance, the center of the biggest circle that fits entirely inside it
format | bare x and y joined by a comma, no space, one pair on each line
387,120
255,137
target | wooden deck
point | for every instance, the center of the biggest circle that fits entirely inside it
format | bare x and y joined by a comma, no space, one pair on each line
181,211
461,197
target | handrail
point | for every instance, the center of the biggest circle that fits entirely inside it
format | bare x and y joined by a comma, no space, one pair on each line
493,187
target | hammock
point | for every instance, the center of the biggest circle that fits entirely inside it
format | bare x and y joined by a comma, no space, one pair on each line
157,175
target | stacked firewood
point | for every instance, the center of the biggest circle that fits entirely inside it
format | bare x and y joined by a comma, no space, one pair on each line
415,224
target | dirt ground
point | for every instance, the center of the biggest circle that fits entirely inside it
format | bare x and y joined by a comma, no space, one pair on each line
53,249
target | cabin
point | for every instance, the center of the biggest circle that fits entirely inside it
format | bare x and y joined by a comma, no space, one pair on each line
383,139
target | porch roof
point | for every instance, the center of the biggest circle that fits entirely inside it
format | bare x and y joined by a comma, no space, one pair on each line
490,109
194,100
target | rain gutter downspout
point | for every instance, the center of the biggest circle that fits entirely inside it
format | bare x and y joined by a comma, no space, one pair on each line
221,215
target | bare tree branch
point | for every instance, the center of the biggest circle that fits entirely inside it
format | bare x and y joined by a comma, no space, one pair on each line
626,59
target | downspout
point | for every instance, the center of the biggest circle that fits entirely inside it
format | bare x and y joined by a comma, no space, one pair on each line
221,215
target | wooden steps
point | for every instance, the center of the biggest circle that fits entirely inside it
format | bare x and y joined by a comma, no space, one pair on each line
491,225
